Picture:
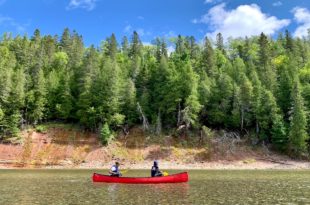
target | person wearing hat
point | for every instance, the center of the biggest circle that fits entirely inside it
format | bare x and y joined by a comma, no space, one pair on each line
155,172
114,171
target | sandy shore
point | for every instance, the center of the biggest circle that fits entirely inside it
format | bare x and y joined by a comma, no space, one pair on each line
218,165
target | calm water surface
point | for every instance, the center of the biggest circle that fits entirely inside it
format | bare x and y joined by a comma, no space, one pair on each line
204,187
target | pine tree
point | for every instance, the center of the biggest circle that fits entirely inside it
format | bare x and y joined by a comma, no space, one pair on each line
220,43
164,50
65,41
16,102
35,98
257,99
204,92
208,59
298,122
245,84
6,86
112,46
161,81
158,53
284,88
289,42
64,99
5,75
246,96
264,50
106,92
270,120
52,84
76,51
125,46
180,48
87,75
136,46
130,102
36,36
221,100
193,47
192,104
265,71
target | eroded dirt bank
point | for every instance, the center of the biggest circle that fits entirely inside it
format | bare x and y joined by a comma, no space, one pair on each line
70,148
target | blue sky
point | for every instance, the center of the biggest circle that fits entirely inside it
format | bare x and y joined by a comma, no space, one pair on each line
97,19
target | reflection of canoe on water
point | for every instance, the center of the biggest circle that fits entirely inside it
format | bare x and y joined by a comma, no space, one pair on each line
174,178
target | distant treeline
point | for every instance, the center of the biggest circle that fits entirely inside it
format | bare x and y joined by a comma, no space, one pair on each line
257,85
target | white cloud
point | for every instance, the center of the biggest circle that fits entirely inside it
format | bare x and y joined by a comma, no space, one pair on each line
208,1
170,49
245,20
83,4
195,21
301,16
129,29
169,34
277,3
145,43
10,23
143,32
212,1
140,31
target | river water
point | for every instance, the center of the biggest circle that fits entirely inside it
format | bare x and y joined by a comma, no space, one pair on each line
204,187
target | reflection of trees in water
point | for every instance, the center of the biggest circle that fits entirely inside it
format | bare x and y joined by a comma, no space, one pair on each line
178,189
145,193
113,191
166,193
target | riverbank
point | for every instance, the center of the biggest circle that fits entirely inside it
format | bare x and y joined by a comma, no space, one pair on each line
63,147
222,165
247,164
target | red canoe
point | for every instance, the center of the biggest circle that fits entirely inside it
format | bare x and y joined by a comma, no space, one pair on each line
174,178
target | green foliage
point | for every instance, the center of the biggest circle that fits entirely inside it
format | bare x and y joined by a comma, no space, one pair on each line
105,134
298,123
244,84
41,128
60,60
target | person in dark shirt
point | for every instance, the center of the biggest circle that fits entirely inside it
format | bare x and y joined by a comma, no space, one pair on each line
155,172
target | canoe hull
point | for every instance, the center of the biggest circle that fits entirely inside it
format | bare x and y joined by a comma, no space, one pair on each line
175,178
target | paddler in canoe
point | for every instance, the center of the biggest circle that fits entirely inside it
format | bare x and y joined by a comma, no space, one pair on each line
155,172
114,171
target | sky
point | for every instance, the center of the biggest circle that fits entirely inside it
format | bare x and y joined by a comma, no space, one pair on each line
95,20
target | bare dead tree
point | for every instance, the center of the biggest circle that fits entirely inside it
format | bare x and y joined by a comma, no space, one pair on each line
145,122
179,115
158,124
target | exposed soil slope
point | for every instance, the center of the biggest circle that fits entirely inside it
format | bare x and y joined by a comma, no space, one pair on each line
61,147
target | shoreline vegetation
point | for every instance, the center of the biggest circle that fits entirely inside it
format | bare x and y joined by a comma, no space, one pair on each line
216,103
61,146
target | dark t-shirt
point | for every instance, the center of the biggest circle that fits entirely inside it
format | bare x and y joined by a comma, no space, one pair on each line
155,172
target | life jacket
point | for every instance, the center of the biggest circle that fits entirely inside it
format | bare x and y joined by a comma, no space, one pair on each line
114,169
155,171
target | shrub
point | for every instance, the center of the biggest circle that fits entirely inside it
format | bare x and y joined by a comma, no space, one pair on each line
41,128
105,134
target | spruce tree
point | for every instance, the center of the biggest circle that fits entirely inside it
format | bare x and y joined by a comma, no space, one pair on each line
220,43
208,59
298,122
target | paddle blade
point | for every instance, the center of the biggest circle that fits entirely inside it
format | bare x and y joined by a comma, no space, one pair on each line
124,171
165,173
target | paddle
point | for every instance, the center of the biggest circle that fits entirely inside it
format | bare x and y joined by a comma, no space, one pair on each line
124,171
